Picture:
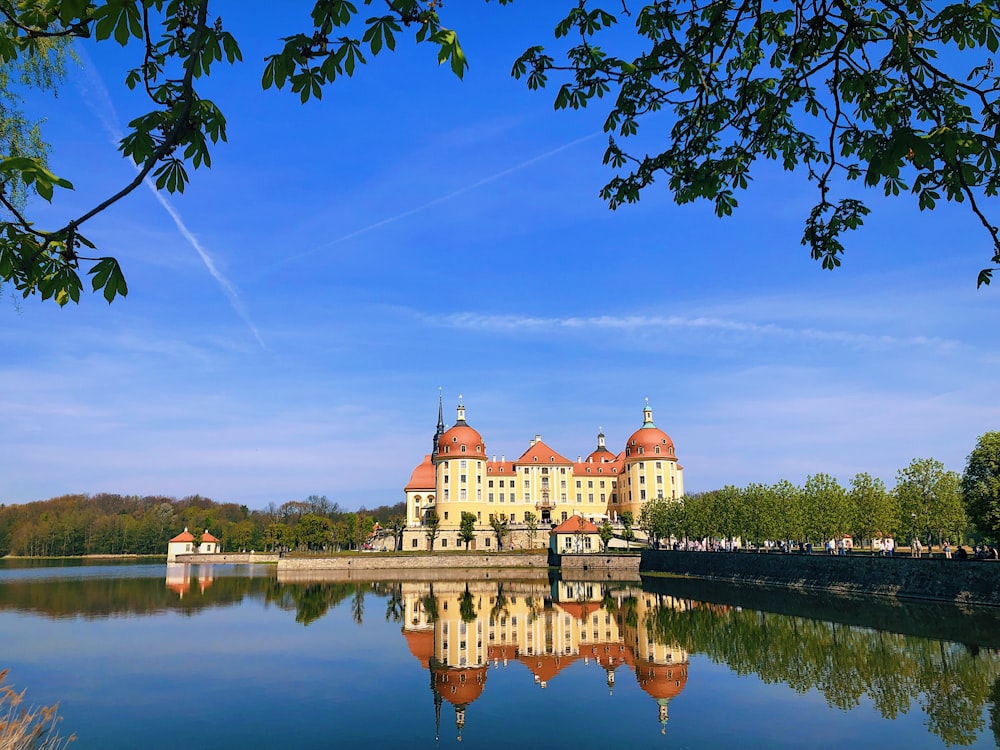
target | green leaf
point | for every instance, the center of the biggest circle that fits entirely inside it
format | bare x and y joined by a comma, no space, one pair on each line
108,276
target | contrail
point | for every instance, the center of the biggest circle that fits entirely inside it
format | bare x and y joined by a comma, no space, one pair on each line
436,201
109,120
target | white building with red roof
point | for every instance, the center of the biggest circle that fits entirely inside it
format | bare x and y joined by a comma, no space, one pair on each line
184,544
541,488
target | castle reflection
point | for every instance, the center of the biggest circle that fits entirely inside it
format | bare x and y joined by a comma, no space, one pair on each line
459,630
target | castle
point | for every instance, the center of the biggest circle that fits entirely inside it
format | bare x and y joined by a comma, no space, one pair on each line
539,489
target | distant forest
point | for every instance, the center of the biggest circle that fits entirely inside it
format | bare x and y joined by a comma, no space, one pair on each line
106,524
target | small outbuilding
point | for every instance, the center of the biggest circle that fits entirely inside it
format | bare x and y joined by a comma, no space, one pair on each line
182,544
575,535
209,544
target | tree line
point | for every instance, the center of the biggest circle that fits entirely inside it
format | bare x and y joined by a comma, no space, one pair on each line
110,524
928,503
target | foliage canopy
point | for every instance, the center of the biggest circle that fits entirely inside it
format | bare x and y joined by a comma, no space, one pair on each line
900,96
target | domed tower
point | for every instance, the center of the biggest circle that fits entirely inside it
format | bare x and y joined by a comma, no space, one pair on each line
600,454
460,465
650,468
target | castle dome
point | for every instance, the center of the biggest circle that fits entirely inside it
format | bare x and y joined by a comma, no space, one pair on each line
460,440
649,441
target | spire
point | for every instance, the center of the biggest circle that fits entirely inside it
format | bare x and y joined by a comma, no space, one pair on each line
440,425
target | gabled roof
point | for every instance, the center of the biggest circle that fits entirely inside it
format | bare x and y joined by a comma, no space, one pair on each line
184,536
576,525
540,453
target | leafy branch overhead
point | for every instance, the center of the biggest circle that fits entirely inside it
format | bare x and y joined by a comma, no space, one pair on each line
897,95
894,95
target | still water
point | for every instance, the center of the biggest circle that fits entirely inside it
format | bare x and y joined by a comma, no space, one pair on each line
146,656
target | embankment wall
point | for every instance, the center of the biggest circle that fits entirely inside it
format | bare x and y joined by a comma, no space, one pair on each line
406,563
959,581
226,557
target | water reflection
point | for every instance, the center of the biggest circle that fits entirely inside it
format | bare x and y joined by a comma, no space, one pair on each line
647,643
459,630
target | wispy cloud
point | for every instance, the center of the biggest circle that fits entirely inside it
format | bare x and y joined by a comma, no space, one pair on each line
644,323
95,93
436,201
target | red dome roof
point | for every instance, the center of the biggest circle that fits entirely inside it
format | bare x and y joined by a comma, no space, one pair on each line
649,441
600,456
455,438
661,680
460,686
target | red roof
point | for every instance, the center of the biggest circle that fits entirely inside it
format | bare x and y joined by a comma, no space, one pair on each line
540,453
184,536
423,477
457,437
421,644
207,537
661,680
575,525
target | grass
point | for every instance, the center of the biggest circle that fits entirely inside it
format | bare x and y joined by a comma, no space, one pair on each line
28,728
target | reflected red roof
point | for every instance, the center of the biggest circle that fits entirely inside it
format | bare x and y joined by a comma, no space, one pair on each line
661,680
547,666
460,686
421,645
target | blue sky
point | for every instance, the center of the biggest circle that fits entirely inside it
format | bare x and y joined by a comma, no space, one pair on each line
293,314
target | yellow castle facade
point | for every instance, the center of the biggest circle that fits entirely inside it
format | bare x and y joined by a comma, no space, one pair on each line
539,489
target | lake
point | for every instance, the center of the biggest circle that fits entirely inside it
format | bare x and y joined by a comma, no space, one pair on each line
151,656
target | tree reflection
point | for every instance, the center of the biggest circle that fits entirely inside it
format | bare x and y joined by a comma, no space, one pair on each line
951,683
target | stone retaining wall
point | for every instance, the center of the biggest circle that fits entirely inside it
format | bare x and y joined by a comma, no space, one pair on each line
960,581
227,557
407,563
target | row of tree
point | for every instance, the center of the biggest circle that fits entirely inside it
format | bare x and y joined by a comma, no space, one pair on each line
928,502
107,524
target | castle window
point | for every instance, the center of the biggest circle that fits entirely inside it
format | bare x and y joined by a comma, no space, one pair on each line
463,463
463,447
656,449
